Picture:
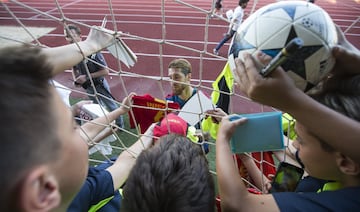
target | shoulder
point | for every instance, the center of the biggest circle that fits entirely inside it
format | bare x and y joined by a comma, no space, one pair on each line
171,97
99,180
99,57
238,11
175,99
310,184
98,186
194,91
341,200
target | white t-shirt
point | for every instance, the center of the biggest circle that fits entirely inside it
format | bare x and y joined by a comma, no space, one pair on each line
237,17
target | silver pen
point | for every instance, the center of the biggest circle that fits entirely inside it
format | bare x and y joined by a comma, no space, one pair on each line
282,56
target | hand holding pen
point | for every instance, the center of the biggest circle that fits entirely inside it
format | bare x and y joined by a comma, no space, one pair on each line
285,53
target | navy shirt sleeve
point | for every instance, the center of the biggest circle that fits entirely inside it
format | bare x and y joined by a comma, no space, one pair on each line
175,98
98,186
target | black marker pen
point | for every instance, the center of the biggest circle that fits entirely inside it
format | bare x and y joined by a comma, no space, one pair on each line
282,56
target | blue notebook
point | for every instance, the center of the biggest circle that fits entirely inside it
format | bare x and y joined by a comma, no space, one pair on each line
261,132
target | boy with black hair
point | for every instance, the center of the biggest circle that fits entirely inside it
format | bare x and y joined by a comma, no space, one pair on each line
173,175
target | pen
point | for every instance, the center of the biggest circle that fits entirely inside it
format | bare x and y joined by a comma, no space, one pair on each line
282,56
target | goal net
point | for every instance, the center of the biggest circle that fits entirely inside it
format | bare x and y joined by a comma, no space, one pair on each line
156,31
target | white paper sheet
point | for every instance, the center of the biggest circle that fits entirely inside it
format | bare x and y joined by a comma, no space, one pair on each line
193,110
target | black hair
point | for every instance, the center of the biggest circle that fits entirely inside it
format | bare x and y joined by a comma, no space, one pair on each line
342,94
173,175
243,2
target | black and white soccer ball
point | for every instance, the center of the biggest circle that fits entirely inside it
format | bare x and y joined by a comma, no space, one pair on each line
271,27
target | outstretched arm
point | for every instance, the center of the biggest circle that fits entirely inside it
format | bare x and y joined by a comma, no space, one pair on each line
92,131
120,170
233,192
65,57
279,91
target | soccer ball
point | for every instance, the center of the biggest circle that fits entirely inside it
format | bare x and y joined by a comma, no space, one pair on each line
271,27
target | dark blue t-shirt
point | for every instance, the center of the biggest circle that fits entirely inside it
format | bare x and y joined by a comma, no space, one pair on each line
310,184
80,68
92,66
97,187
346,199
178,100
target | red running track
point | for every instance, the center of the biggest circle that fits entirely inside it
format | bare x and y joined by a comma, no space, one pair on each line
143,18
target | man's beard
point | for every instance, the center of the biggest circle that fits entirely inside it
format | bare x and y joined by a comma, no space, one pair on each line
177,90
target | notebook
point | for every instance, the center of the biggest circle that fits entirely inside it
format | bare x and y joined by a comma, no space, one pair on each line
261,132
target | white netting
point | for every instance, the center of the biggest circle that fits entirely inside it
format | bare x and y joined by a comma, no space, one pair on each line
157,31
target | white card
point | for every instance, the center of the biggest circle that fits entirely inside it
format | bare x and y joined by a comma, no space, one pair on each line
195,107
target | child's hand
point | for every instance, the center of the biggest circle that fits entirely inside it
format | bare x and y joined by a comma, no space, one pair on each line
127,101
228,125
347,56
216,115
99,38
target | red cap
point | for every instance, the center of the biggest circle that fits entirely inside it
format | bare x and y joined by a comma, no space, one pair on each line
171,124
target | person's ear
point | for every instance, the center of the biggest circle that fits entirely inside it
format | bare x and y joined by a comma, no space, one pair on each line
347,165
40,190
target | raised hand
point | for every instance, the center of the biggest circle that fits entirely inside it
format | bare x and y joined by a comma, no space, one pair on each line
347,56
274,90
216,115
228,126
127,101
100,38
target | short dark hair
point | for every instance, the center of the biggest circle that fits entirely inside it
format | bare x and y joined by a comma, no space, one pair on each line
243,2
342,94
181,63
173,175
28,135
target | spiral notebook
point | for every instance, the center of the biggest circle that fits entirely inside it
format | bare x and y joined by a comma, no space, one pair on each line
261,132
